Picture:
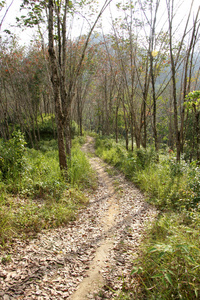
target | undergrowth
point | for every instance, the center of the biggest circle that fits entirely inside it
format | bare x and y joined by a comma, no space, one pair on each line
33,193
169,264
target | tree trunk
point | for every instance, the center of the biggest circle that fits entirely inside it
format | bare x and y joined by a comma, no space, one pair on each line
68,135
56,89
171,138
198,135
132,133
137,139
154,104
116,124
173,70
145,124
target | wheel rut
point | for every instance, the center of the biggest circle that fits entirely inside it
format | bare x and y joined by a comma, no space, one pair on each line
94,279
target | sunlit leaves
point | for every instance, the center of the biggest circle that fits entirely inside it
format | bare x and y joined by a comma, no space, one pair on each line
193,100
70,4
154,53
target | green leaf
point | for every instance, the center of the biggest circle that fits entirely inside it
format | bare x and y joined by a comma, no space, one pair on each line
136,270
157,276
153,249
183,247
196,292
161,254
70,4
168,277
7,31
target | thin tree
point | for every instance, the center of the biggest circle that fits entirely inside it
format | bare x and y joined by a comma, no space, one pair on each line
63,95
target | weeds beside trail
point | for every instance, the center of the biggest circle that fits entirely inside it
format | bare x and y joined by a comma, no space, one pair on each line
169,265
33,193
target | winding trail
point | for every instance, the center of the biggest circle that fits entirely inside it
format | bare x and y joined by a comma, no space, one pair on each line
87,258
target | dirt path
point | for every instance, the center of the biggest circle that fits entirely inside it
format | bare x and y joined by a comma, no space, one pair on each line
94,279
86,259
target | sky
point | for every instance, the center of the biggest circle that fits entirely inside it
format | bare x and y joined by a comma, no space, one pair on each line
26,36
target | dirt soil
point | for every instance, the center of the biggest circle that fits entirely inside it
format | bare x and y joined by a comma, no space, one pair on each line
92,257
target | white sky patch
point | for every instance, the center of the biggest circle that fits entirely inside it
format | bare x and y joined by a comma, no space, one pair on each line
81,26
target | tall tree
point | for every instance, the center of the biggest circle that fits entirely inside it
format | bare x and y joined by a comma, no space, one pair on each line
63,95
175,58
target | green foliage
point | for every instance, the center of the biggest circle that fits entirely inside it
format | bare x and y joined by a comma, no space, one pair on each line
113,153
12,153
5,222
167,184
145,157
74,129
80,171
46,146
192,132
46,130
47,126
2,3
41,197
172,185
127,161
169,266
78,141
42,177
194,186
192,100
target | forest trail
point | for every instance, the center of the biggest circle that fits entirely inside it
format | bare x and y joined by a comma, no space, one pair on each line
87,258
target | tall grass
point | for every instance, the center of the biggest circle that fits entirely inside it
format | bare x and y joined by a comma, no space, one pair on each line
80,171
169,265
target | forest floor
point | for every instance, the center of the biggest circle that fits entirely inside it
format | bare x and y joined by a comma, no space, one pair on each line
92,257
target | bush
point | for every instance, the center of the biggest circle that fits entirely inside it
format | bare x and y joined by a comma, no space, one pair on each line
5,222
145,157
78,141
12,154
46,127
74,129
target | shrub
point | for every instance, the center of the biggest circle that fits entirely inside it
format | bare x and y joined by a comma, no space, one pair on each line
145,157
42,177
46,126
12,153
5,223
74,129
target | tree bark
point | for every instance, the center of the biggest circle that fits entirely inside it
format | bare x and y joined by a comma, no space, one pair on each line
173,71
56,89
